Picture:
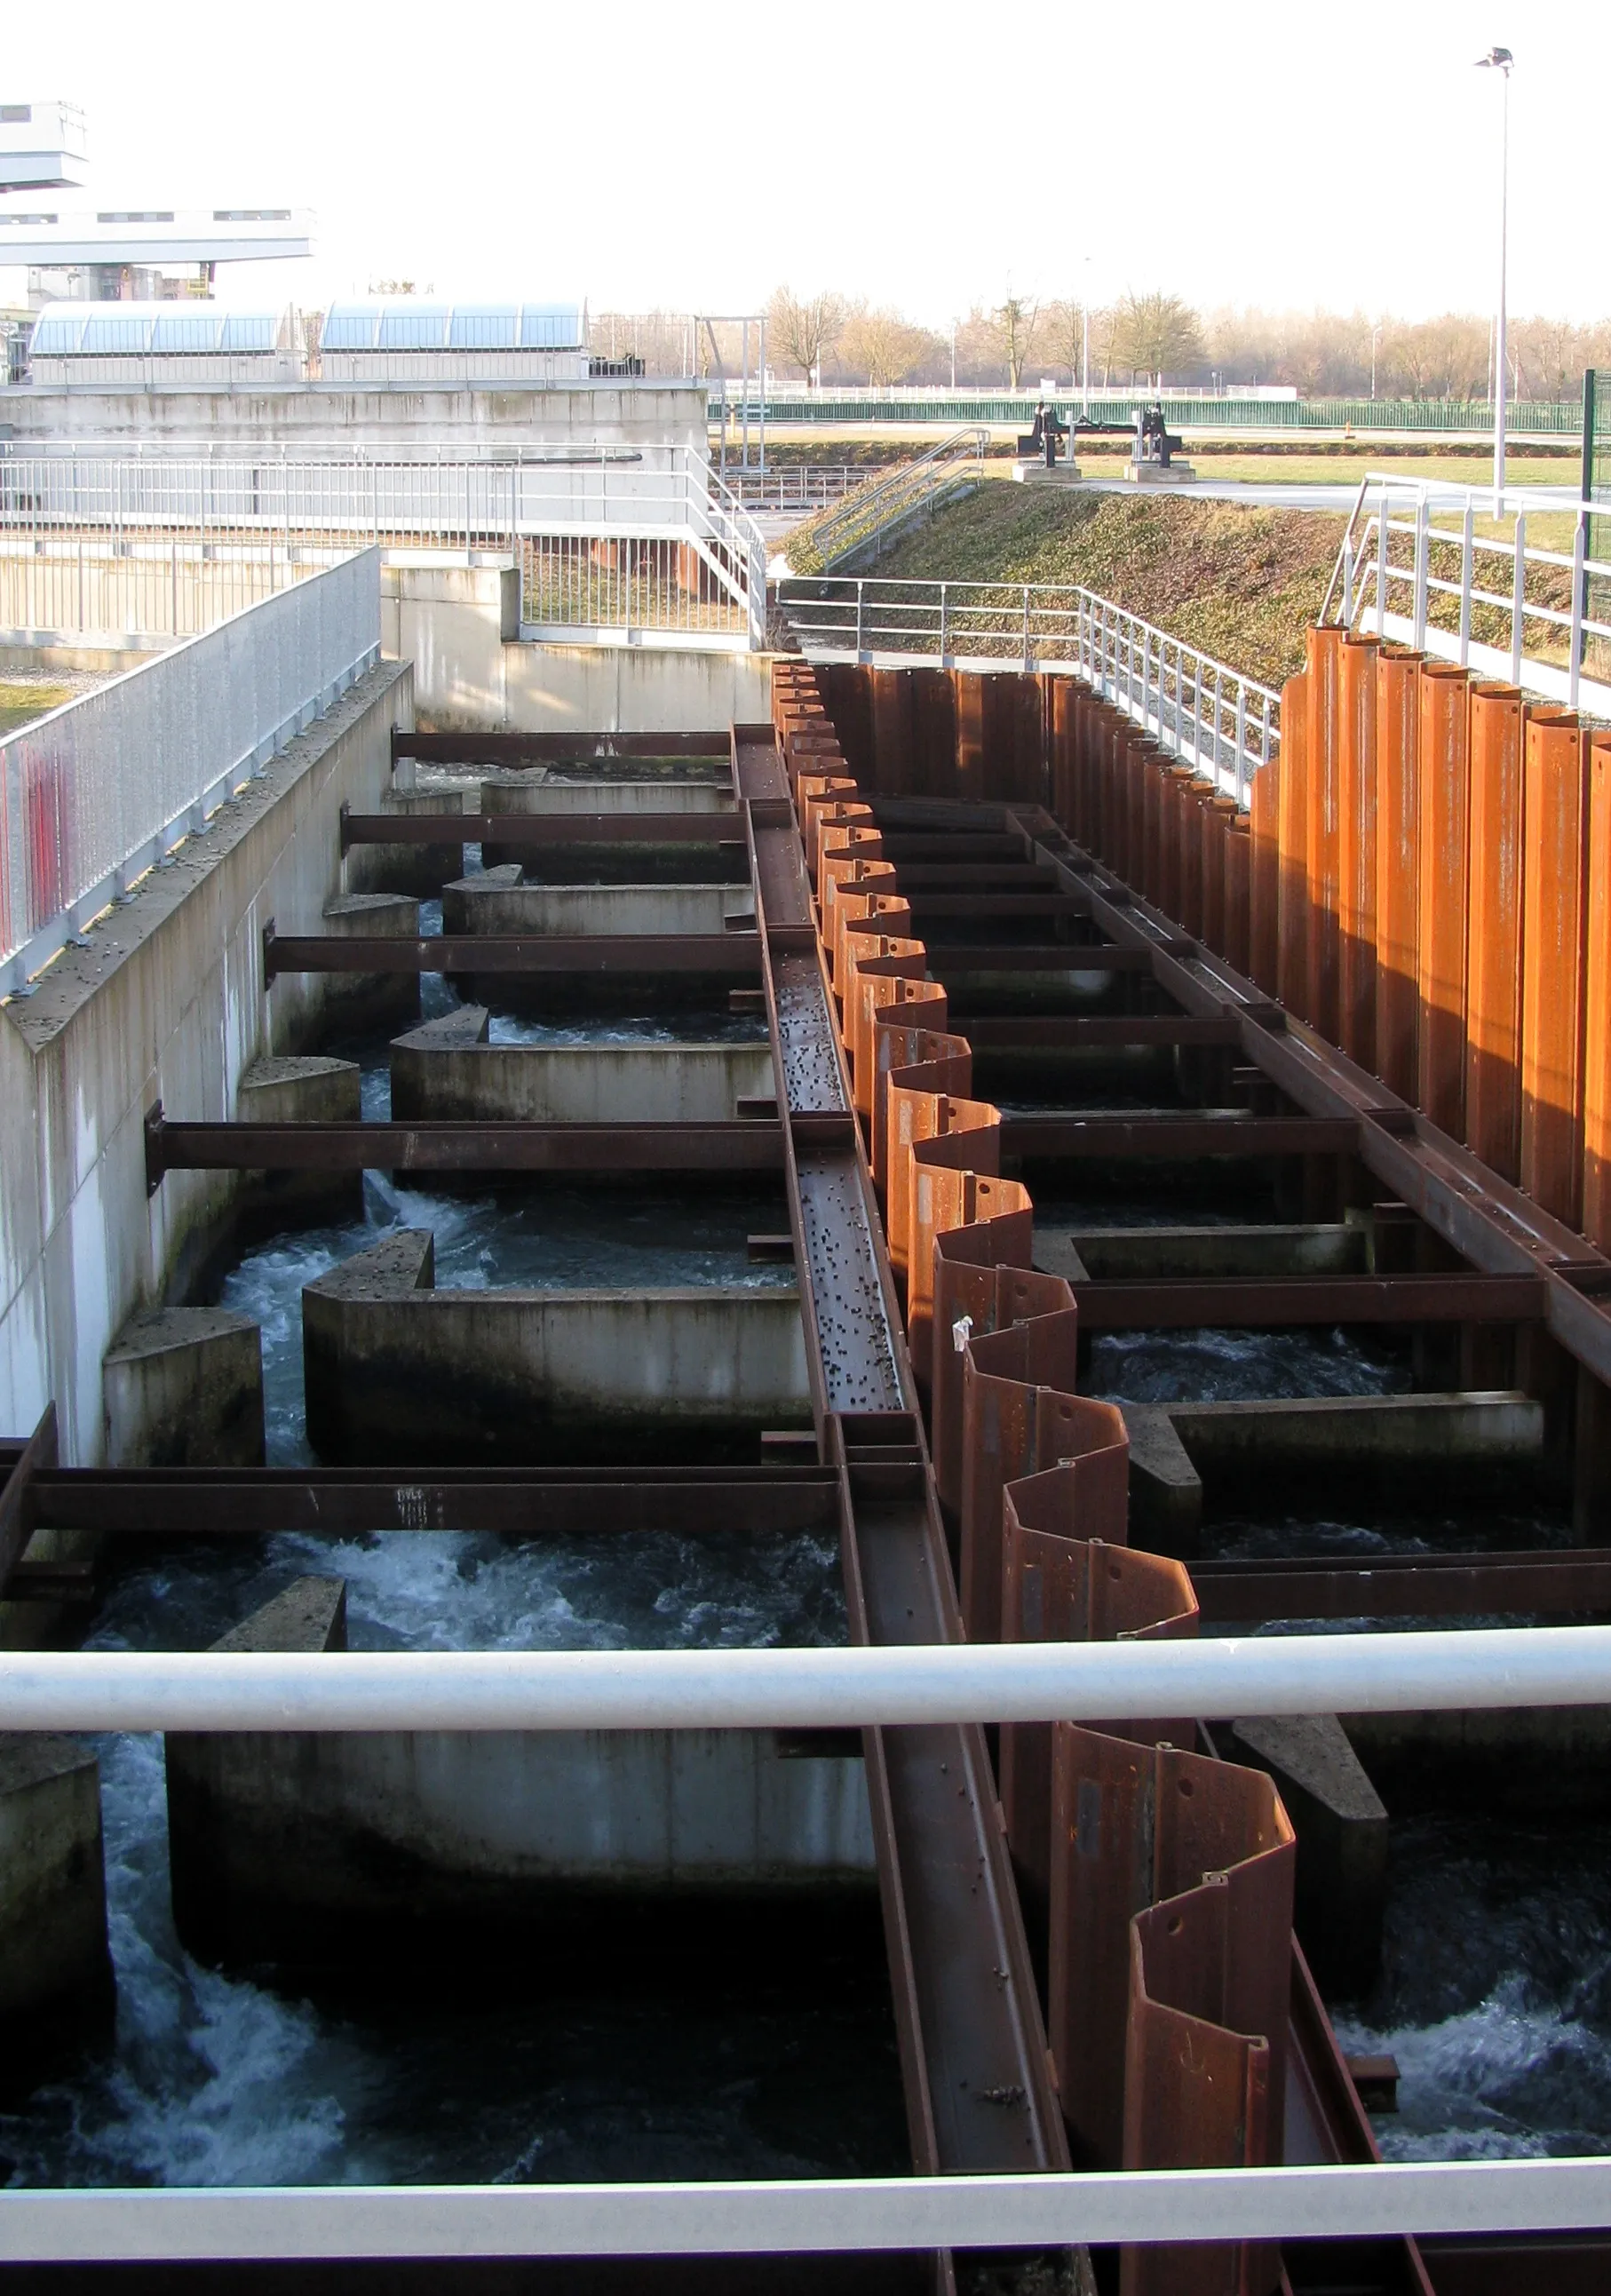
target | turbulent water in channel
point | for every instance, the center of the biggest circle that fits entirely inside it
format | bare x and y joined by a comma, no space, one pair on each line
218,2079
1495,1993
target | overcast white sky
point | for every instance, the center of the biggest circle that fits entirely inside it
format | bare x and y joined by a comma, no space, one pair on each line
1284,155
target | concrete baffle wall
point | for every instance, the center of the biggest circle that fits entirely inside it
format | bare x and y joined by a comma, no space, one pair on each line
183,1387
446,1071
1341,1895
395,1369
306,1089
353,1848
498,901
56,1986
361,1001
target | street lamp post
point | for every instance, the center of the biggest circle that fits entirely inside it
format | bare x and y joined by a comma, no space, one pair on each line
1501,61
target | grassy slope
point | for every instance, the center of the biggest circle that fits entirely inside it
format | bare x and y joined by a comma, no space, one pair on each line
1242,584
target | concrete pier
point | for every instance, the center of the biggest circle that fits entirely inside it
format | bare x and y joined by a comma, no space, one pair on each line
361,1001
356,1847
395,1369
446,1071
55,1969
310,1090
183,1387
1342,1840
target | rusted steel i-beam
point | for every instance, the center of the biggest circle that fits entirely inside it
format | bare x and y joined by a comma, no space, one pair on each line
733,955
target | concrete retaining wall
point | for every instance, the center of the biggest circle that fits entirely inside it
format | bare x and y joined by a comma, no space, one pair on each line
165,1002
473,673
395,1369
446,1071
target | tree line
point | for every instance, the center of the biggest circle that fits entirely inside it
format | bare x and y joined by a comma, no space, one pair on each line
1160,340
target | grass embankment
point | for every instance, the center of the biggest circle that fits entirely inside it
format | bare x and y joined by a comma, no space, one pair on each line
23,699
1242,583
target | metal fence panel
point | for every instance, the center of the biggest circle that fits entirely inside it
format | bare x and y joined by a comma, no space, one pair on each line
95,793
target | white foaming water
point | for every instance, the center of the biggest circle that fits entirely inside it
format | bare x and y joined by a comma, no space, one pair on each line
214,2079
1237,1366
1495,1994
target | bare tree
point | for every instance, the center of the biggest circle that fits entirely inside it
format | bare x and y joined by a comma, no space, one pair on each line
1016,322
804,328
1156,335
883,345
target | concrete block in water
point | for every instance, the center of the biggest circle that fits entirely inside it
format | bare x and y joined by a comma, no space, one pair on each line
446,1070
536,789
306,1091
1342,1840
1166,1489
55,1969
395,1369
1157,1254
316,1850
498,901
360,1001
421,870
183,1387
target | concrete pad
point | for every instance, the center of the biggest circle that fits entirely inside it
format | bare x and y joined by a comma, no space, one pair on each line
497,902
313,1090
56,1980
342,1848
183,1387
1342,1840
446,1071
396,1369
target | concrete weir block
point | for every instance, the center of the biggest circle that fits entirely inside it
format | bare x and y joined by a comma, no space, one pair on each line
1166,1489
395,1368
183,1387
56,1985
537,789
1342,1840
303,1091
499,901
361,1001
327,1850
446,1071
421,870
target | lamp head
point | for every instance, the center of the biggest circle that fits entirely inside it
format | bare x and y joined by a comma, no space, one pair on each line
1496,60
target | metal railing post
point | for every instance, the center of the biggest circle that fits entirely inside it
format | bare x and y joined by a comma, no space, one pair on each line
1518,594
1422,522
861,587
1466,556
1027,658
1574,666
1381,566
1347,583
1241,745
943,646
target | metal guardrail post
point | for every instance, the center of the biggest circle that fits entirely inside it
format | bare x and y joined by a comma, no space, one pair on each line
1383,536
861,587
1027,657
1423,521
1347,583
1467,557
945,647
1574,664
1241,745
1518,594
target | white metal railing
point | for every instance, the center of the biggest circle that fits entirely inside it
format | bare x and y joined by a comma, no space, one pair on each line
1413,566
79,1691
1223,724
680,554
806,2215
94,794
952,466
798,486
805,1688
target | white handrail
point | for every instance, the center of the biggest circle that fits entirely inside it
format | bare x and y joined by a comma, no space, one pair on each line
807,2215
1209,716
803,1688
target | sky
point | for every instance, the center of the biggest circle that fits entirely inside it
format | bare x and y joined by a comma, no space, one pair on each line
652,157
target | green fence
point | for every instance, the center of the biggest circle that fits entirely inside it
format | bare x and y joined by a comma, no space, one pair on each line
1552,419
